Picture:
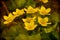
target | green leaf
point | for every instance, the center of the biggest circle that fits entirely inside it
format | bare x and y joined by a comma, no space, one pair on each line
48,30
14,31
55,16
35,37
45,36
30,3
20,3
56,34
21,37
27,37
11,5
54,19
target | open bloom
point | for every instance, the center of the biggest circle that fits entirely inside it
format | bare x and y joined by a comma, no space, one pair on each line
43,21
29,19
29,23
9,18
44,11
18,12
30,26
44,1
31,9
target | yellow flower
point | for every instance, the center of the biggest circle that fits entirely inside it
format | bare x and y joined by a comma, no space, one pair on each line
29,23
31,9
44,1
18,12
30,26
8,18
29,19
44,11
43,21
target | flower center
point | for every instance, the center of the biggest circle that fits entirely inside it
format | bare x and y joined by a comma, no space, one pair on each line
43,12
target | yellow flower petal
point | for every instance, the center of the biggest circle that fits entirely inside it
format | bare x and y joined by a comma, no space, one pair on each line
29,19
5,17
43,8
9,18
36,9
30,26
31,9
18,12
43,24
24,20
25,9
44,1
10,14
48,10
46,19
44,11
6,22
43,21
14,13
39,18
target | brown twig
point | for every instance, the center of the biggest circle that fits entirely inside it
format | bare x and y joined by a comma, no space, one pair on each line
4,5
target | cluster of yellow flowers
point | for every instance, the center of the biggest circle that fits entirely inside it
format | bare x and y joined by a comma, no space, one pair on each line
29,22
12,16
